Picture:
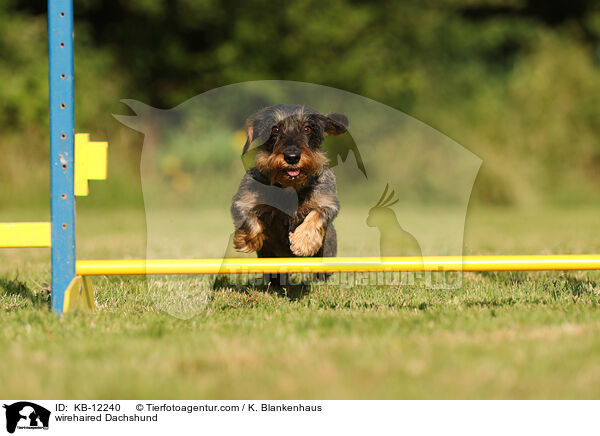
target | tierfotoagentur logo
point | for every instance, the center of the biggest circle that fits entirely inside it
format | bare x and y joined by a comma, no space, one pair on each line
25,415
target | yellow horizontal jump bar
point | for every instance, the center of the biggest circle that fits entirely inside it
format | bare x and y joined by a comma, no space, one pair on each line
13,235
338,264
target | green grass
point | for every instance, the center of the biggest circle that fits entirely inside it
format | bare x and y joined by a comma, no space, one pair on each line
510,335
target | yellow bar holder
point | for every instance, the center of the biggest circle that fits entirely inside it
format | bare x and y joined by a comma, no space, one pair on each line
90,162
79,296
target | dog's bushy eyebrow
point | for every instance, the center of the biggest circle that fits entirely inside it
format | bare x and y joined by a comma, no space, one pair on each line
258,126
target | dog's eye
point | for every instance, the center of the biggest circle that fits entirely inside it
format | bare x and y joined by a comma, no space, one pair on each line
275,129
307,129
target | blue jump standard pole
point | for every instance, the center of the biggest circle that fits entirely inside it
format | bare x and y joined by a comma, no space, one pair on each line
62,147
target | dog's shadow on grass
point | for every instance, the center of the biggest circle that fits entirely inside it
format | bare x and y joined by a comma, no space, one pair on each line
291,292
18,288
575,285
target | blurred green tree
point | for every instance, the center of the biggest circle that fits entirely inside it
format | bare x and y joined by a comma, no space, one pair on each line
460,65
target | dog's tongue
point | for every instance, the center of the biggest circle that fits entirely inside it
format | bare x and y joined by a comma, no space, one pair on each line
293,173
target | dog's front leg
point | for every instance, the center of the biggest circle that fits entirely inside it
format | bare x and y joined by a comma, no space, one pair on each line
307,239
249,229
250,236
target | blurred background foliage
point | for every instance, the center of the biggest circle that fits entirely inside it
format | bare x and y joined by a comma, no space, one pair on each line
515,81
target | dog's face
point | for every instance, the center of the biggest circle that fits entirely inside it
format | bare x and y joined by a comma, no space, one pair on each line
290,137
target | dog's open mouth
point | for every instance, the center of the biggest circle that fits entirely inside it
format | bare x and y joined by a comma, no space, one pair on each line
292,173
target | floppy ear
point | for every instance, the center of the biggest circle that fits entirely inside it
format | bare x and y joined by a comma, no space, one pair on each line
258,128
336,124
249,135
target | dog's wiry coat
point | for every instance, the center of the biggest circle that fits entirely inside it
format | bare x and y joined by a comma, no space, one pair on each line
289,161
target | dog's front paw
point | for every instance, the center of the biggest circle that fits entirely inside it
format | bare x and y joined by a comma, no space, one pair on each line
246,242
306,240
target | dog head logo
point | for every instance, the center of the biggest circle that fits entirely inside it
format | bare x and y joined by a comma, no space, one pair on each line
26,415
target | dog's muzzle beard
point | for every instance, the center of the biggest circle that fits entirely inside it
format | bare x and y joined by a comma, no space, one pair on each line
290,175
292,172
279,172
292,157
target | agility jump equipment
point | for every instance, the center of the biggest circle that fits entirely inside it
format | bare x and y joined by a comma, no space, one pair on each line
74,160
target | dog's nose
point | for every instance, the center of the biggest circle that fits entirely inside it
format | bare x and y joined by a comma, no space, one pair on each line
292,157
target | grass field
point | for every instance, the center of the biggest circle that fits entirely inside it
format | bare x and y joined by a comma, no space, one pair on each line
509,335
